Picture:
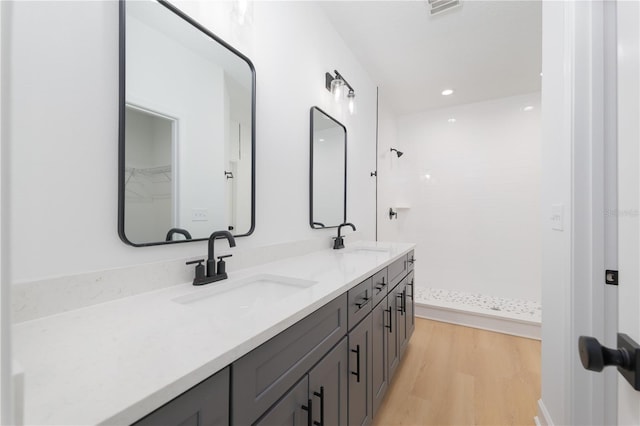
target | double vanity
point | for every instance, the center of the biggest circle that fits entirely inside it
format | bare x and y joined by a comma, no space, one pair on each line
313,339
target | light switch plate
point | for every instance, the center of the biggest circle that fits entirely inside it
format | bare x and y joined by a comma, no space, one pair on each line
199,215
557,217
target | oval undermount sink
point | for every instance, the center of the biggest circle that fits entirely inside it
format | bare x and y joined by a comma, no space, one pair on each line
245,294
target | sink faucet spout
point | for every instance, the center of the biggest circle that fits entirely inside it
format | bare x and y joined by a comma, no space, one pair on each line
338,242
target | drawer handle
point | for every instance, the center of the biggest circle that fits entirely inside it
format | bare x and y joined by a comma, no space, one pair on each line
412,260
404,301
381,285
357,372
362,303
390,317
321,396
309,409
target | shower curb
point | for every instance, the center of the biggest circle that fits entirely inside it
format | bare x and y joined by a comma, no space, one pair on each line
484,321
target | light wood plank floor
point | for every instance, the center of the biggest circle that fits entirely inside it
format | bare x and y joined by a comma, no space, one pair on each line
454,375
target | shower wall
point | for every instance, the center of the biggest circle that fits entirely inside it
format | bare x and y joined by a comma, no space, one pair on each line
467,191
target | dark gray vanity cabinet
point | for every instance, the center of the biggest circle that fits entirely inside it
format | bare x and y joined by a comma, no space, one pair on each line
206,404
360,373
379,338
291,410
328,384
319,398
264,375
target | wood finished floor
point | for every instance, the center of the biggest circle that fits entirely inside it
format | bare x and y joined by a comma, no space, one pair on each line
454,375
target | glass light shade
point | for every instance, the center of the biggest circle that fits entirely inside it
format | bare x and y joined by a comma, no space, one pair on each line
352,103
337,88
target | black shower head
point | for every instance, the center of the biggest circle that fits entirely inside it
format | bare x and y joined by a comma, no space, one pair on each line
398,153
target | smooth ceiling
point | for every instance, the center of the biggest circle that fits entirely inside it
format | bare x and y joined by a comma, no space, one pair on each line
483,49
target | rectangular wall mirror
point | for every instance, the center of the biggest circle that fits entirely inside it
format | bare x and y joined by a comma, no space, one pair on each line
186,131
328,203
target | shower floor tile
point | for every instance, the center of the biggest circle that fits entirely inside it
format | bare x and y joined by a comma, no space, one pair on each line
525,310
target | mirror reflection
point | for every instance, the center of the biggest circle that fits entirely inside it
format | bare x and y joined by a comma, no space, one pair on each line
187,129
328,171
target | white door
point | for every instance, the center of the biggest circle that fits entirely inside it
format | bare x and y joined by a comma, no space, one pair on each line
628,22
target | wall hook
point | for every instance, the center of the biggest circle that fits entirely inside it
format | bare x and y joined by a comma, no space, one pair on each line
374,173
392,213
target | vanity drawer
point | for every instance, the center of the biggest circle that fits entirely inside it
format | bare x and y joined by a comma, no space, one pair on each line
360,299
380,286
263,375
410,261
397,271
205,404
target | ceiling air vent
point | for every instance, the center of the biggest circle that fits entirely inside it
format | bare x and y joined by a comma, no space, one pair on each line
439,6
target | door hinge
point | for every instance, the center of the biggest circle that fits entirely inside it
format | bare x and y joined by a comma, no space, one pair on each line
611,277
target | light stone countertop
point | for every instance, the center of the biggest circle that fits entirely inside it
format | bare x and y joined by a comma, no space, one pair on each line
115,362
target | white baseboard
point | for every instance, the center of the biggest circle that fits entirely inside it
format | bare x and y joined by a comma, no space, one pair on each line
500,324
543,418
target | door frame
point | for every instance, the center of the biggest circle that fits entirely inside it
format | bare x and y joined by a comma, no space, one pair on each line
576,166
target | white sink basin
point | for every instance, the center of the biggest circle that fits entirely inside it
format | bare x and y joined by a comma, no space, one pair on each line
245,294
366,250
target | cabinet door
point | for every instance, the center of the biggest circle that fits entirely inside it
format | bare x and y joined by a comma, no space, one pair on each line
292,409
206,404
360,386
262,376
328,382
410,305
393,346
379,376
401,315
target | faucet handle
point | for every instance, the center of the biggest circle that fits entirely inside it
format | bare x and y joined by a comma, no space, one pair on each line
222,266
199,268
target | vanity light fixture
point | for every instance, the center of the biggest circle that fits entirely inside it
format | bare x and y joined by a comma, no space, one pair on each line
398,153
338,86
351,96
447,92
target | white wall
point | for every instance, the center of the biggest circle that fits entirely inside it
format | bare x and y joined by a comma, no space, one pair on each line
63,129
473,188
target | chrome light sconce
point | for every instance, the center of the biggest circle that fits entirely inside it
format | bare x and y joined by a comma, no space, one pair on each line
338,86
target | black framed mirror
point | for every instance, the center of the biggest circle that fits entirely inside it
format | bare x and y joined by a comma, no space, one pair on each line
328,171
186,129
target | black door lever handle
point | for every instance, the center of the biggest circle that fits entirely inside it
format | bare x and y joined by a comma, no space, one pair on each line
595,357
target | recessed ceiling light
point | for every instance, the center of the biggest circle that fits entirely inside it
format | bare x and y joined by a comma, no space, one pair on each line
528,108
451,120
447,92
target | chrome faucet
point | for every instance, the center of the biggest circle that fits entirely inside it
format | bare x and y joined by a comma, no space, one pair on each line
211,274
338,242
